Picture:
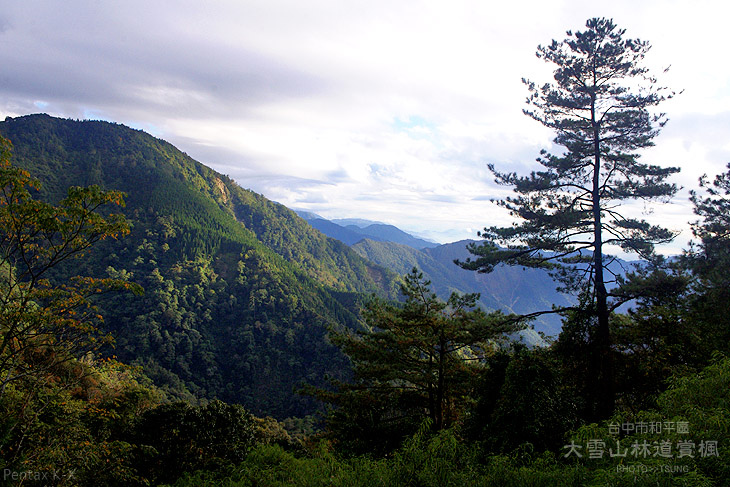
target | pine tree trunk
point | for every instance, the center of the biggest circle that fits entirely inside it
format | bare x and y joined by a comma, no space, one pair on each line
604,396
441,385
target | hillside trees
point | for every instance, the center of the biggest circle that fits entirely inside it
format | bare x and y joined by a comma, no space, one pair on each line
222,267
415,361
188,438
599,106
65,414
41,322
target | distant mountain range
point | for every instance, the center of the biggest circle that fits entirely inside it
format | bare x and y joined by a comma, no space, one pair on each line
352,230
511,289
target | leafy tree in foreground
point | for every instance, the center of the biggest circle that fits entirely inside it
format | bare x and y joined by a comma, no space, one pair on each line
416,361
187,438
598,105
43,323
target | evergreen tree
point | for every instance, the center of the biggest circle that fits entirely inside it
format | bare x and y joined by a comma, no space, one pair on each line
417,360
599,106
709,260
713,252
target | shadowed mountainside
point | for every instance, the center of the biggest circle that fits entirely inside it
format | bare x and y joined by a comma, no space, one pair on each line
239,290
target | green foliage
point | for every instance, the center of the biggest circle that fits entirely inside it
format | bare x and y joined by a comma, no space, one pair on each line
239,291
73,423
417,358
713,230
659,336
269,431
444,458
522,400
440,460
679,316
710,259
184,438
98,423
240,327
43,322
702,402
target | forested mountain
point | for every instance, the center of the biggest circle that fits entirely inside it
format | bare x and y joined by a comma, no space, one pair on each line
239,291
511,289
215,292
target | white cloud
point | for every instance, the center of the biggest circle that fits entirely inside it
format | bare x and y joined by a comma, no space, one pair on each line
372,109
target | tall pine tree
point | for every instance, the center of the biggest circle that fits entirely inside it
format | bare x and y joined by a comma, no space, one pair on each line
599,107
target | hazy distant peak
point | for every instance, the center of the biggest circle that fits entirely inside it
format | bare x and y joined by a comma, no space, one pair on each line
358,222
308,215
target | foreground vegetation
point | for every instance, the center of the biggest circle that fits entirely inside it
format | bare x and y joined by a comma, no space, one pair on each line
103,427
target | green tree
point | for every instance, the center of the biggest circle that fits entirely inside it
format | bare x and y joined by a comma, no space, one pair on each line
599,106
714,209
187,438
43,322
521,398
658,336
710,258
417,359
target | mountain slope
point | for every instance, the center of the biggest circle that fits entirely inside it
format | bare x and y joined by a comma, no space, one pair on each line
156,175
511,289
389,233
333,230
239,291
402,258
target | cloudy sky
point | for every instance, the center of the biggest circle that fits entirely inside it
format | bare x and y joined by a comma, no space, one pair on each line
379,109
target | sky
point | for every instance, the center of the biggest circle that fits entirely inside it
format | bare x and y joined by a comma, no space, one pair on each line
379,109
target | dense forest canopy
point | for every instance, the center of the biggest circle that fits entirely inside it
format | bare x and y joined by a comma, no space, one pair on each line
238,291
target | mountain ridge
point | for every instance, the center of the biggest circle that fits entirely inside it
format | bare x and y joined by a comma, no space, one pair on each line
352,230
509,289
240,292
